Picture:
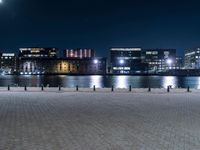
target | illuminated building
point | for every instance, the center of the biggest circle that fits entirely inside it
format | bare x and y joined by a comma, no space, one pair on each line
8,63
192,58
126,60
179,62
38,52
159,60
79,53
29,66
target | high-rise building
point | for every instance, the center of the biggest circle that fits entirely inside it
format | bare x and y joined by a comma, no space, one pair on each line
126,60
79,53
38,52
159,60
192,58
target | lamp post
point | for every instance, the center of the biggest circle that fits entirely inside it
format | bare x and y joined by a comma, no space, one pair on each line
96,65
121,62
95,61
169,63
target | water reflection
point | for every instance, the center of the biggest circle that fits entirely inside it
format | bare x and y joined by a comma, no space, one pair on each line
169,81
97,81
198,83
101,81
73,81
121,81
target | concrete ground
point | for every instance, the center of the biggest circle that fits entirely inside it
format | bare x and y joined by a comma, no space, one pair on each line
138,120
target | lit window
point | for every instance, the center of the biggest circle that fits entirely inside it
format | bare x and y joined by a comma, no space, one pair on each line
148,53
155,52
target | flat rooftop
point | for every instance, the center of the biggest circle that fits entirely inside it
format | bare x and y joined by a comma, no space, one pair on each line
99,120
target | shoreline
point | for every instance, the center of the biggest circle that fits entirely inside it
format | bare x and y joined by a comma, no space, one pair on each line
102,75
98,90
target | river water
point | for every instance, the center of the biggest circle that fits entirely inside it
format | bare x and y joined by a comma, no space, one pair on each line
101,81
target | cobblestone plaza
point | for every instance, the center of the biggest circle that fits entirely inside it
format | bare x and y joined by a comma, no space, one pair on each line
99,120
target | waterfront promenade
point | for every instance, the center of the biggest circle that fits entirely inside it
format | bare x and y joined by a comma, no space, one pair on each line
101,120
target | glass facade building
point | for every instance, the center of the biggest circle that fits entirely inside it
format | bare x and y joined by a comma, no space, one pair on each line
125,60
192,58
8,63
159,60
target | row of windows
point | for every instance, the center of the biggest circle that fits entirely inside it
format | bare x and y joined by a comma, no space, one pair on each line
7,57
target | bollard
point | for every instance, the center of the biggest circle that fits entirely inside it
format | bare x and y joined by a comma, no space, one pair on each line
130,88
168,90
8,87
149,89
77,88
112,89
25,88
59,88
94,88
188,89
42,88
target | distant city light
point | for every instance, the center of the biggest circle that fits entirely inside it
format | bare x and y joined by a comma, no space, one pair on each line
121,61
169,61
96,61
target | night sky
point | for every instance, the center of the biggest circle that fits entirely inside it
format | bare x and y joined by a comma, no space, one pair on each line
99,24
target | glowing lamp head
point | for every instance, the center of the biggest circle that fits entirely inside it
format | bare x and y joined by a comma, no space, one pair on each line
121,61
1,1
169,61
96,61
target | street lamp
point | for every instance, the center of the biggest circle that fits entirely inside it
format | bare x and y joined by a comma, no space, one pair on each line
169,62
96,61
96,65
121,61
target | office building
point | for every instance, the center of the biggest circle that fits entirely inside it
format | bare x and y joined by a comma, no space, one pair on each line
37,52
159,60
126,60
192,58
179,63
8,63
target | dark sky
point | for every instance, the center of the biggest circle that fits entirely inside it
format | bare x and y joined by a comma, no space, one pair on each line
99,24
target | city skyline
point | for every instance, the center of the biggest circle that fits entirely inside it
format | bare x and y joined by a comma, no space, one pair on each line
34,61
99,24
62,52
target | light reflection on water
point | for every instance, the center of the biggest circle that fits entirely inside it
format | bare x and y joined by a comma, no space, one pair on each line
121,81
101,81
97,81
198,86
169,81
